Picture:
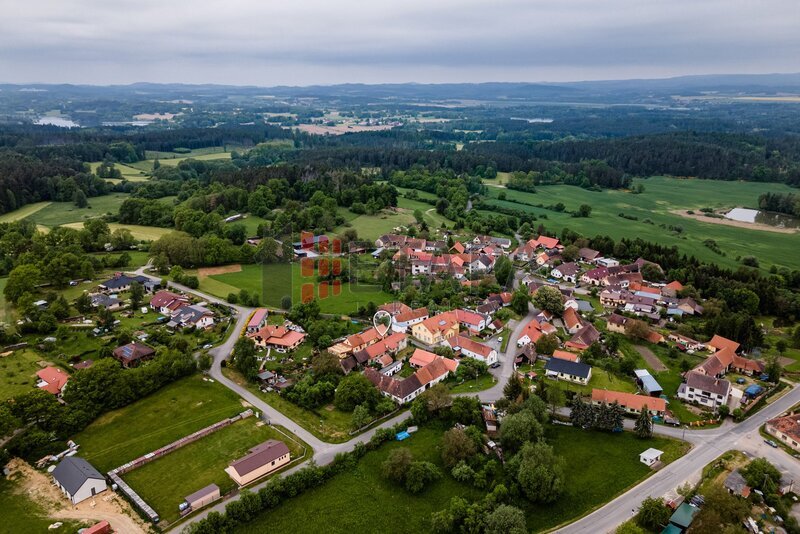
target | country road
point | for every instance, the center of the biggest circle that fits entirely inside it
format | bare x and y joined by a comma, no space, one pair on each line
706,445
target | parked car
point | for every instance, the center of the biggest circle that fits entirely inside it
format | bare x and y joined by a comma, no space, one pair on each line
207,346
771,443
495,365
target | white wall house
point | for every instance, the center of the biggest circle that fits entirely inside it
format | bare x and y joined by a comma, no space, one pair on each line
77,479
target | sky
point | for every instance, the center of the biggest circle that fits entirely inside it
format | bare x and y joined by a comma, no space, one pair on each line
303,42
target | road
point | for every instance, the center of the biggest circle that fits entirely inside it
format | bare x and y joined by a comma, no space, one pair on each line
707,445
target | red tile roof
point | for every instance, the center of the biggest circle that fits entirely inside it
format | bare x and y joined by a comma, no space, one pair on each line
55,379
719,342
629,400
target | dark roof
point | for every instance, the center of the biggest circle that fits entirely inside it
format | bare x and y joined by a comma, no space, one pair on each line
73,472
586,335
133,351
259,456
348,364
398,388
707,383
557,365
199,494
124,280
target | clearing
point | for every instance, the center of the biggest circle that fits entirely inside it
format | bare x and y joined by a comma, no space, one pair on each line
142,233
204,272
702,217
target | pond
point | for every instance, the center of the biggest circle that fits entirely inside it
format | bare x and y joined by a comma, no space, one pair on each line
778,220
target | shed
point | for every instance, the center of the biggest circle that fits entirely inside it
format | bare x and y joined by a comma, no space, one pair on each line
683,516
671,529
649,384
202,497
103,527
650,456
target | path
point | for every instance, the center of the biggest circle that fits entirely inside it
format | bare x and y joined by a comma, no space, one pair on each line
652,360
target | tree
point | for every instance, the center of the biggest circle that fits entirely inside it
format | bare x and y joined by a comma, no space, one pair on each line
653,514
519,301
519,428
419,475
286,302
555,397
541,472
762,475
773,369
503,270
353,390
361,417
137,294
547,344
629,527
548,298
83,303
582,414
513,388
637,329
506,519
781,345
22,279
396,465
584,210
79,198
466,410
644,424
245,357
457,446
325,363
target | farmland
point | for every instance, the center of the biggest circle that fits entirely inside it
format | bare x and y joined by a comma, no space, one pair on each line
142,233
348,501
206,460
655,207
168,414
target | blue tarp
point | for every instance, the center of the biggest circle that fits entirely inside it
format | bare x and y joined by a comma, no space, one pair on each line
402,435
753,390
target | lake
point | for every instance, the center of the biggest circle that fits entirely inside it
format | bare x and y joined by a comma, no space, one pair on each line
778,220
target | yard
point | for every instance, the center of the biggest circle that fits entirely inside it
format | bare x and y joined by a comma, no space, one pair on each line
473,386
18,372
205,461
168,414
363,501
661,198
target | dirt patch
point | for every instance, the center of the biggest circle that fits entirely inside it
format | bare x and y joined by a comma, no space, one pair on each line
225,269
652,360
728,222
785,362
105,506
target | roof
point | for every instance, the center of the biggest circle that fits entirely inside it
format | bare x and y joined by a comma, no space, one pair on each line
55,378
133,351
259,456
564,355
588,254
124,280
568,269
422,357
441,322
649,383
404,317
397,388
547,242
707,383
73,472
464,342
191,314
788,424
585,336
567,367
571,318
394,308
674,285
629,400
736,483
199,494
258,317
470,317
684,515
162,298
651,454
719,342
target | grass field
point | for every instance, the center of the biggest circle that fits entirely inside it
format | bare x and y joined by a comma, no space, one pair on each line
18,372
128,173
168,414
371,227
142,233
661,197
57,213
23,212
22,514
362,501
205,460
272,282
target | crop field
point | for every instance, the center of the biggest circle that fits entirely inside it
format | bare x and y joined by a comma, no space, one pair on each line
361,500
142,233
168,414
655,208
205,460
275,281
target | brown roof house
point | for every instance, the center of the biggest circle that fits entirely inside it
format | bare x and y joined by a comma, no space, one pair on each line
262,460
786,429
131,354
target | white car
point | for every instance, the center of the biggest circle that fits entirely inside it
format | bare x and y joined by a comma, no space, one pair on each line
207,346
280,350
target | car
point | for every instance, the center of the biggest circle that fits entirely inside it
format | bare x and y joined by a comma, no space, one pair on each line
207,346
280,350
500,339
771,443
495,365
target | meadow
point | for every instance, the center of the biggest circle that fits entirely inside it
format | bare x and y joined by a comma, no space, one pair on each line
361,500
206,460
18,372
58,213
141,233
655,207
168,414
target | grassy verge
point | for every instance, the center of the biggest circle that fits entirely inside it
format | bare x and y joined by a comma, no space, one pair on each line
473,386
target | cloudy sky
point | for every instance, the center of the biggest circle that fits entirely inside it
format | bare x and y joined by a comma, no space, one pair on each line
300,42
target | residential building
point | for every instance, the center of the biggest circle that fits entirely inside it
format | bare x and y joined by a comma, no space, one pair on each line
437,329
122,282
262,460
257,321
360,341
167,302
394,308
572,321
583,338
533,331
616,323
280,337
472,349
705,390
109,302
718,343
472,321
588,255
407,389
786,429
133,354
52,380
564,355
736,484
577,372
78,479
192,317
630,402
406,319
566,271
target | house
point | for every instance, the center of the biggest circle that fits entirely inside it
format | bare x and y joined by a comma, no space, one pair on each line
736,484
786,429
78,479
122,282
648,384
547,242
132,354
583,338
572,321
650,457
577,372
564,355
616,323
718,343
567,272
705,390
682,517
407,389
388,346
672,289
606,262
437,329
588,255
52,380
167,302
533,331
472,321
201,498
109,302
192,317
421,358
686,343
472,349
405,319
257,320
630,402
260,461
277,336
394,308
360,341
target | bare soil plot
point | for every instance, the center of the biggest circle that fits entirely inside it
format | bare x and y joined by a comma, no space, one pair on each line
652,360
223,269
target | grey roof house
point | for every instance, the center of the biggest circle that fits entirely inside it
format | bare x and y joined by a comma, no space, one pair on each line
78,479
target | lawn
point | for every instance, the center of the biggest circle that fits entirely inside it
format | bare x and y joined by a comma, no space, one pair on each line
362,501
327,423
371,227
18,372
206,460
275,281
129,173
23,212
58,213
141,233
662,196
168,414
473,386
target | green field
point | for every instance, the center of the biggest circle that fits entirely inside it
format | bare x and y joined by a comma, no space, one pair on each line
661,197
128,173
22,514
371,227
18,372
274,281
23,212
362,501
168,414
142,233
206,460
57,213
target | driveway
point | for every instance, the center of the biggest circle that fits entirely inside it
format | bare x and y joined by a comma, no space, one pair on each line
652,360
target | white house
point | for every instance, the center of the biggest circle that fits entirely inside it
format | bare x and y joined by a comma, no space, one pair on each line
405,320
650,456
473,349
705,390
577,372
77,479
